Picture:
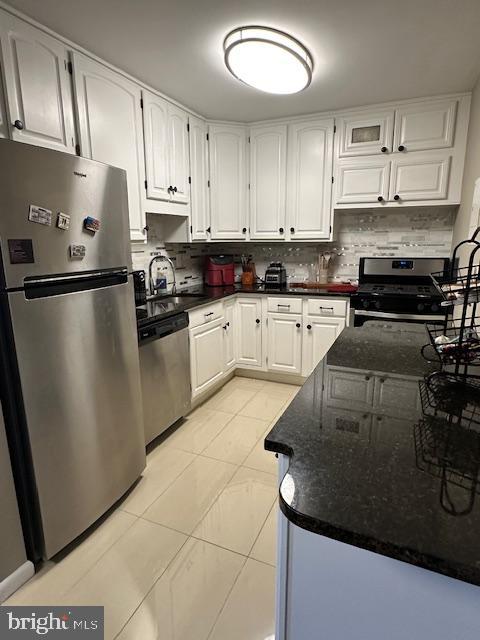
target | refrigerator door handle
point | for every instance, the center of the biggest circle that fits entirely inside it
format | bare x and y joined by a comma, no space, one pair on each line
45,286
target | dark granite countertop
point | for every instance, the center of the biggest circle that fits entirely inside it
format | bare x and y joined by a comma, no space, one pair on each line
376,484
161,307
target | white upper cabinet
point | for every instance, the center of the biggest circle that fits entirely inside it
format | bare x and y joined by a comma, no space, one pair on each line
310,171
420,176
110,128
37,86
363,180
429,125
365,133
268,172
200,209
228,183
166,150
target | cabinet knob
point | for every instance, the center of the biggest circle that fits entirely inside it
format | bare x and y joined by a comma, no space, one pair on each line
401,147
225,327
380,198
384,149
244,230
382,380
396,197
309,326
292,229
367,378
379,418
298,325
146,228
228,324
170,188
18,124
175,189
257,321
281,229
209,230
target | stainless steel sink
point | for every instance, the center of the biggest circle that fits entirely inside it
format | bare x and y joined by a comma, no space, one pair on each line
178,298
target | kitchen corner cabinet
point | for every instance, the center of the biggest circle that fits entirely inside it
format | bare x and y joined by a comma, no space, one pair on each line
206,355
110,128
166,153
200,206
250,332
309,179
268,158
228,182
37,86
285,343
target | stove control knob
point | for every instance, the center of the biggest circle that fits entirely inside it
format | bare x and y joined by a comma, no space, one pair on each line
420,306
377,304
365,304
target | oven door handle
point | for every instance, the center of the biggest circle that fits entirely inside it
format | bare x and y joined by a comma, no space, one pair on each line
399,316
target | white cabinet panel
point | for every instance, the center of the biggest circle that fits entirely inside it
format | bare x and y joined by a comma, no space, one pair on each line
37,86
392,395
200,213
228,184
177,144
206,355
318,336
110,128
420,176
423,126
166,150
363,180
310,170
344,388
365,133
229,328
268,157
285,342
249,332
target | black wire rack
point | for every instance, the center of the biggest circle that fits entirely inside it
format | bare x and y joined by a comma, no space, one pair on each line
443,394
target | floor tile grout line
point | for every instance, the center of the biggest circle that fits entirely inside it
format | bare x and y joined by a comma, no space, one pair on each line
264,523
187,538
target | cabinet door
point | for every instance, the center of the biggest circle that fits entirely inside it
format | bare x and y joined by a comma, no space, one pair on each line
310,170
420,176
249,332
394,395
206,355
365,134
37,85
363,180
177,145
110,128
268,157
229,328
157,140
285,342
4,128
428,125
228,184
200,214
349,388
318,336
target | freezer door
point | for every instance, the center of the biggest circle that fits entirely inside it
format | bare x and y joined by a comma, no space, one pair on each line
31,241
79,372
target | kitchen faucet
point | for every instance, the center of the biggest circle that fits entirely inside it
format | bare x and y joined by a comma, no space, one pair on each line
153,287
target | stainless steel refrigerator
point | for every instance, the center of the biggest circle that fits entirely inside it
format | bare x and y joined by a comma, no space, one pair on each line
69,364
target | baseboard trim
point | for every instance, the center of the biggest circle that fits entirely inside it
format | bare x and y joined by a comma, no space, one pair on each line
15,580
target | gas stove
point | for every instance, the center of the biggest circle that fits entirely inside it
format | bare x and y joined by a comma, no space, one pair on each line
398,289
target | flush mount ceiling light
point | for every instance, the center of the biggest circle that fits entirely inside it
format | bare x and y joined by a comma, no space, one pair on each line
268,59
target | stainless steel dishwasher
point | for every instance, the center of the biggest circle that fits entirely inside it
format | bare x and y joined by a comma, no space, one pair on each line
165,373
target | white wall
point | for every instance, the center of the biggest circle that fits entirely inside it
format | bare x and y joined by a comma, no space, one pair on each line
472,169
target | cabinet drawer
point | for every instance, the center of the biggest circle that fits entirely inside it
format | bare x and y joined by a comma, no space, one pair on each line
326,307
205,314
285,305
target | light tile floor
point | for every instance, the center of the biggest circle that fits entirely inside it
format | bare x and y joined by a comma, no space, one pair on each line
189,554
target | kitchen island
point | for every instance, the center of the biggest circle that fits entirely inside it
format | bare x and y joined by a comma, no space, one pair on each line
376,540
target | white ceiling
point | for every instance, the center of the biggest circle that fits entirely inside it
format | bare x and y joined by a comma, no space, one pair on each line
364,51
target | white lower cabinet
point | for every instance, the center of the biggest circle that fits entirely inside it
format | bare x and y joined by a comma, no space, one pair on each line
249,332
206,355
284,342
229,330
318,336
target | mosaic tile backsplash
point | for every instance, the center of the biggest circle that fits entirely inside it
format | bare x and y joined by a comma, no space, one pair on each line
420,231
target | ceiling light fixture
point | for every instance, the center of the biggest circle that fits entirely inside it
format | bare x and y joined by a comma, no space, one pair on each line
268,59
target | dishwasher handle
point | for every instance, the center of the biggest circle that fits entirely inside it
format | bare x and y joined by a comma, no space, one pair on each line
162,328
